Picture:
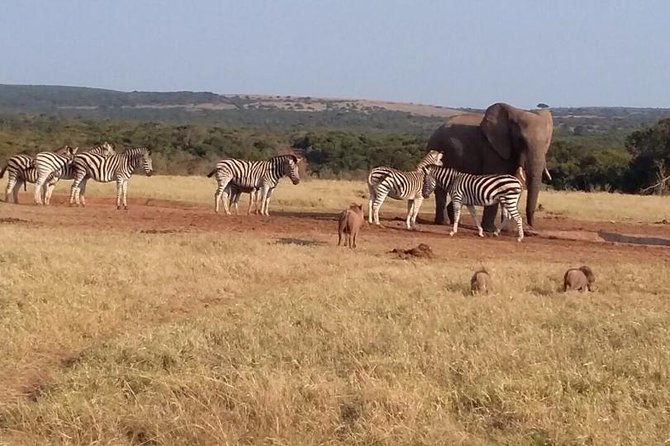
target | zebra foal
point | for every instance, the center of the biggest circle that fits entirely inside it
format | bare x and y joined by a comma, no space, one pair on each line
400,185
118,167
477,190
247,175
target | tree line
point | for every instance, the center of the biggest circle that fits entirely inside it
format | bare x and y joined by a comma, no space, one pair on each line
633,161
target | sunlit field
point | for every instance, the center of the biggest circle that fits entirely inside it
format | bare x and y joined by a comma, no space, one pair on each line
114,337
333,195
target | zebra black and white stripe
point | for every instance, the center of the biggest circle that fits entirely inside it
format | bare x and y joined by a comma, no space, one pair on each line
50,164
262,175
24,171
15,168
400,185
477,190
67,172
21,170
118,167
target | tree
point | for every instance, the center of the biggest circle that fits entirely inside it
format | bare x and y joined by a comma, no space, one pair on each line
649,168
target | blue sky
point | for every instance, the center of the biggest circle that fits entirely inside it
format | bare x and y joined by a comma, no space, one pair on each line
452,53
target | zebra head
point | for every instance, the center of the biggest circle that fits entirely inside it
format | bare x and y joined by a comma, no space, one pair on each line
432,158
429,181
67,151
107,149
147,164
289,167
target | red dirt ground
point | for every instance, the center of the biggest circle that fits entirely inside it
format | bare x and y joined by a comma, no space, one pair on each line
556,237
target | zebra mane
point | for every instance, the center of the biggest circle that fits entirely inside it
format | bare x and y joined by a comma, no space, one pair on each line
135,151
283,157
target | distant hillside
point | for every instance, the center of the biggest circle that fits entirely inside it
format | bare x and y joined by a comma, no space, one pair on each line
50,98
283,111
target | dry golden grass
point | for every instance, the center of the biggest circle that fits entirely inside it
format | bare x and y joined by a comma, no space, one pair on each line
332,195
222,338
202,339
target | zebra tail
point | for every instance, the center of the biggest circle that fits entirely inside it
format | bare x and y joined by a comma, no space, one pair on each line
209,175
2,172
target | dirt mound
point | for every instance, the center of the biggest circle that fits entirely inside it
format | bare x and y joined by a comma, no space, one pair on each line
422,251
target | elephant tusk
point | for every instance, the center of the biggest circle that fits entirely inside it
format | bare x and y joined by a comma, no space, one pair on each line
520,174
547,174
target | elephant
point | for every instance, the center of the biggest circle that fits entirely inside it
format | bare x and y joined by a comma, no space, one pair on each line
503,140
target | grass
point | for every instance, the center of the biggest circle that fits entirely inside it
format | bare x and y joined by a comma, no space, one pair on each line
221,338
333,195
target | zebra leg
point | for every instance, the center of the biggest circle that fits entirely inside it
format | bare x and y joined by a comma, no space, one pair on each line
125,195
267,202
50,190
16,189
82,192
225,199
221,183
373,197
11,188
251,201
379,200
73,190
473,214
415,212
506,219
457,216
37,195
410,212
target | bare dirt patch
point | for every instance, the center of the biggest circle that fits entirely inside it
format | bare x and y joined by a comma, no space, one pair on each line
555,236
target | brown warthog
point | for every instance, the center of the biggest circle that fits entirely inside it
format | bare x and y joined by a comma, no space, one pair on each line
580,279
350,223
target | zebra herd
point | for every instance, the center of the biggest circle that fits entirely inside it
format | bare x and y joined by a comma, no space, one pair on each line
463,188
260,178
100,163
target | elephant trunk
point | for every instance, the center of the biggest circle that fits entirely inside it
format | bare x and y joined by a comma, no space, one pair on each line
533,183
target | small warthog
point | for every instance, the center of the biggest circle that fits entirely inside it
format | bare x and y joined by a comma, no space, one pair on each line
480,282
579,279
350,223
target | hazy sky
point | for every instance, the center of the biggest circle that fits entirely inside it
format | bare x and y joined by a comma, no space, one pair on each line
454,53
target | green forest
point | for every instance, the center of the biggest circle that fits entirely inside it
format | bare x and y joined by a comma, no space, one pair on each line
610,149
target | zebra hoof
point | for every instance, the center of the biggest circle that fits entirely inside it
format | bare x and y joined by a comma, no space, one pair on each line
451,234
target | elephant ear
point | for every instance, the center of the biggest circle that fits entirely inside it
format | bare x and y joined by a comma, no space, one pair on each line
497,128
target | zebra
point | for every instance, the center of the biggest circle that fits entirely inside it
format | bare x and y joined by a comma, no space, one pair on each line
47,165
263,175
21,170
477,190
30,174
236,192
119,167
400,185
67,172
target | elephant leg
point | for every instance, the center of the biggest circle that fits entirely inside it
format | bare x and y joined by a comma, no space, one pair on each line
489,218
440,203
